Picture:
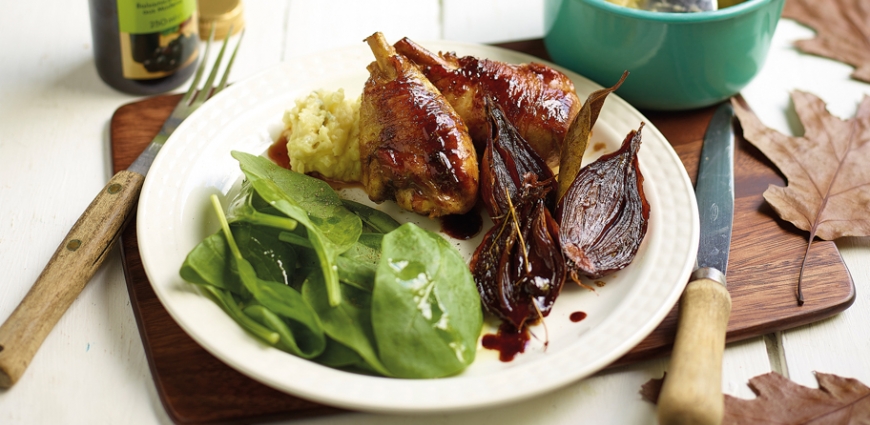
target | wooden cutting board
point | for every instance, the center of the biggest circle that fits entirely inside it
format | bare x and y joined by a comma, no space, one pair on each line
766,254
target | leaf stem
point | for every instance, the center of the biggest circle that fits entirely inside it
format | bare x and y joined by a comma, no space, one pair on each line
800,294
225,226
295,239
515,220
273,221
818,217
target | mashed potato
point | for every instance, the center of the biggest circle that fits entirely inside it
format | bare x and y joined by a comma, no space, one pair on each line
322,133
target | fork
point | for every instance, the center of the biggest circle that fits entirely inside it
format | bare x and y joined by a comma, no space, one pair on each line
92,236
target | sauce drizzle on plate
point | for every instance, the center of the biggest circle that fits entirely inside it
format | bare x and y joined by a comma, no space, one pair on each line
577,316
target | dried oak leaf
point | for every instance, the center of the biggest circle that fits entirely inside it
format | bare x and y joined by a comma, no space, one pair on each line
828,192
838,400
842,31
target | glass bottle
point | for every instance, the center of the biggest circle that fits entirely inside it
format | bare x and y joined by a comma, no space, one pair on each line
220,15
145,47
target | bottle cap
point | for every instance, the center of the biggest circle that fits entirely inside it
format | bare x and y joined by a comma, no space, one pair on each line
220,14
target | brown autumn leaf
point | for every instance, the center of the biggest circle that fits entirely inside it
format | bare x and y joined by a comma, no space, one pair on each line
651,389
838,400
842,31
828,192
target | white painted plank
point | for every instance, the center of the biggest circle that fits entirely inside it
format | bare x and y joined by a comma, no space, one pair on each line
314,26
787,70
54,160
490,21
54,157
742,361
841,344
263,42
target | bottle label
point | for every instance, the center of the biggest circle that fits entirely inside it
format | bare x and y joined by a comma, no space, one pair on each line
158,37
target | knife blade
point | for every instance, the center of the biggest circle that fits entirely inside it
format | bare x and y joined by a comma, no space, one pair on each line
692,391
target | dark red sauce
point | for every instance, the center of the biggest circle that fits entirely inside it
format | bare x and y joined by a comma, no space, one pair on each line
463,226
577,316
509,341
278,152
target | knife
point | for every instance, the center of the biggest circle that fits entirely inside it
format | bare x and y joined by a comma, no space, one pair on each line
692,391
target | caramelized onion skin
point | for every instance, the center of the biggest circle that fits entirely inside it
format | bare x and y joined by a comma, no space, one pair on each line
603,216
519,268
506,161
540,269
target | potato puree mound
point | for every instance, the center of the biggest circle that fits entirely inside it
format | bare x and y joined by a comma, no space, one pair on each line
322,133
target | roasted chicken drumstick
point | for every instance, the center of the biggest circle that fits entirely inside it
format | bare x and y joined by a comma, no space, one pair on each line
538,100
414,148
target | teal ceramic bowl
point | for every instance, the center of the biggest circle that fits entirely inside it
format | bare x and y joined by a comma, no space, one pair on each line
676,61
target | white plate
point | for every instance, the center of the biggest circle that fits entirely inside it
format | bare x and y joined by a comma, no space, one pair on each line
174,215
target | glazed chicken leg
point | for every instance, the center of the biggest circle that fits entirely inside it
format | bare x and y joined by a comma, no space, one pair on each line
538,100
414,148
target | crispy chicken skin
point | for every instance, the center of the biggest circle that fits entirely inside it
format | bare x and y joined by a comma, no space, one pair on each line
538,100
414,148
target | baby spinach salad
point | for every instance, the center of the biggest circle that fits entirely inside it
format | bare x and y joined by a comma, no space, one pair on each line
335,281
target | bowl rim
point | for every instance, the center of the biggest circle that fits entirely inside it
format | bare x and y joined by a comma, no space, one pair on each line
745,7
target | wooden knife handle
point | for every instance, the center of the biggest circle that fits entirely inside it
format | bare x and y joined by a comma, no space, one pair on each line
71,267
692,391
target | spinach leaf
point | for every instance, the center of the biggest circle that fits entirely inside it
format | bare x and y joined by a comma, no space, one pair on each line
348,323
287,303
272,259
229,305
314,196
378,220
295,269
325,250
208,264
358,265
295,239
339,355
294,339
248,206
284,311
372,241
426,311
331,228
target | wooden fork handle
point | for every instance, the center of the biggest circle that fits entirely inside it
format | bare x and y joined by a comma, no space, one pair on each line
71,267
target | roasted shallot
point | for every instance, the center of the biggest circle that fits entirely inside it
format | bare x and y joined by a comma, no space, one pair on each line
519,267
604,214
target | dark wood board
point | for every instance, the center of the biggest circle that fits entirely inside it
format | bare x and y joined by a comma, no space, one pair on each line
195,387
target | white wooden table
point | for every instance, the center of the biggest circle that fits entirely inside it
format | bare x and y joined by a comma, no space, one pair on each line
54,156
